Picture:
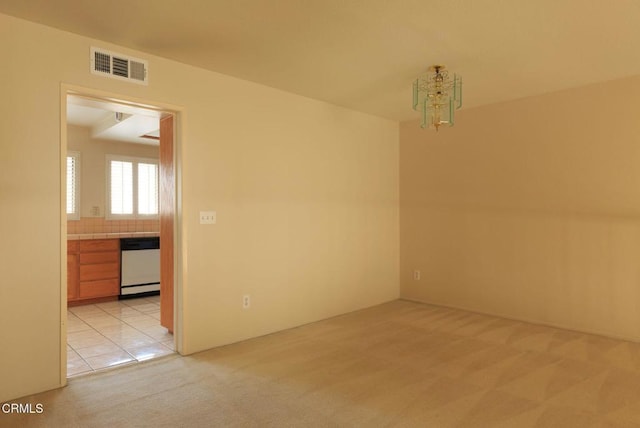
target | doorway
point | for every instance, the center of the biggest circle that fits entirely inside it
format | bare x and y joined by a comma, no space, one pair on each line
119,186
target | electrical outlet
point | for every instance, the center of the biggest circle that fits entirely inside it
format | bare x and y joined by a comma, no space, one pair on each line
416,275
246,301
207,217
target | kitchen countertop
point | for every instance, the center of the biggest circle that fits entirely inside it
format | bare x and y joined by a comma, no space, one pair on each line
80,236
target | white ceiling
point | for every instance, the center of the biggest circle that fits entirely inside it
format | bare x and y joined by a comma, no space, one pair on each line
111,121
364,54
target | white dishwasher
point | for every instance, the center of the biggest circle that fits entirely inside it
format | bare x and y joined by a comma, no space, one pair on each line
140,267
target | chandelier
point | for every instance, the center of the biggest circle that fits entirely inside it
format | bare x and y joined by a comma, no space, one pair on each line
437,96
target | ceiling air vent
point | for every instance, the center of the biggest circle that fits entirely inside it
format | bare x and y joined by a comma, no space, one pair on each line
117,66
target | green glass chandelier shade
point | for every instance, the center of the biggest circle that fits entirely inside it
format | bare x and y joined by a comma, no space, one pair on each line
437,96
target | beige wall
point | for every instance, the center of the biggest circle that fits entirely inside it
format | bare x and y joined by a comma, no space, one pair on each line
306,195
529,209
93,163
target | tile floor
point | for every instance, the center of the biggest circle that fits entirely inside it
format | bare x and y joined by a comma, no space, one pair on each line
104,335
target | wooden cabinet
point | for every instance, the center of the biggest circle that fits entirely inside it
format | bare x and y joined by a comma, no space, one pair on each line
73,270
98,269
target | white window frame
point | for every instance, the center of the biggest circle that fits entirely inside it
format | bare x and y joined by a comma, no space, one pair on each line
76,185
135,160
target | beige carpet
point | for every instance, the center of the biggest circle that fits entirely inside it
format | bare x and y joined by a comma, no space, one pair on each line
398,364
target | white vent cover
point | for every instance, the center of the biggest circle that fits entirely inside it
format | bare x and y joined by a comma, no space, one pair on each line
117,66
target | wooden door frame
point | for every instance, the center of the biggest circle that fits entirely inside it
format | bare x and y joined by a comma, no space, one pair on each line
167,196
108,97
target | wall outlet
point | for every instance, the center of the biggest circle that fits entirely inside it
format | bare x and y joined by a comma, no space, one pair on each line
246,301
207,217
416,275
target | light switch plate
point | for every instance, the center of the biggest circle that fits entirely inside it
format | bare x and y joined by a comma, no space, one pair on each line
207,217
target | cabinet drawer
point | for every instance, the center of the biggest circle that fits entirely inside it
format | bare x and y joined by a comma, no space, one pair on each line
72,247
100,271
91,245
97,258
104,288
72,276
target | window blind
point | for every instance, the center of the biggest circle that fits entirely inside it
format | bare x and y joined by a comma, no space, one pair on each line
121,186
147,189
71,185
133,187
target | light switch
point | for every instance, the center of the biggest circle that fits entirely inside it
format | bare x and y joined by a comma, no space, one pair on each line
207,217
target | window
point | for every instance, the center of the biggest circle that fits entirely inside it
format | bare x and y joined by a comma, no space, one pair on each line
132,187
73,185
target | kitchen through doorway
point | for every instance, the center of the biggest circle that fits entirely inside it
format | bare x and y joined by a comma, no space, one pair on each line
120,205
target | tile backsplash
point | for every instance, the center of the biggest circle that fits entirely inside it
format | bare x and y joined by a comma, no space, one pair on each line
100,225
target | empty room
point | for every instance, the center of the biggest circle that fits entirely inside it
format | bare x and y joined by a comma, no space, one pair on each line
320,213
